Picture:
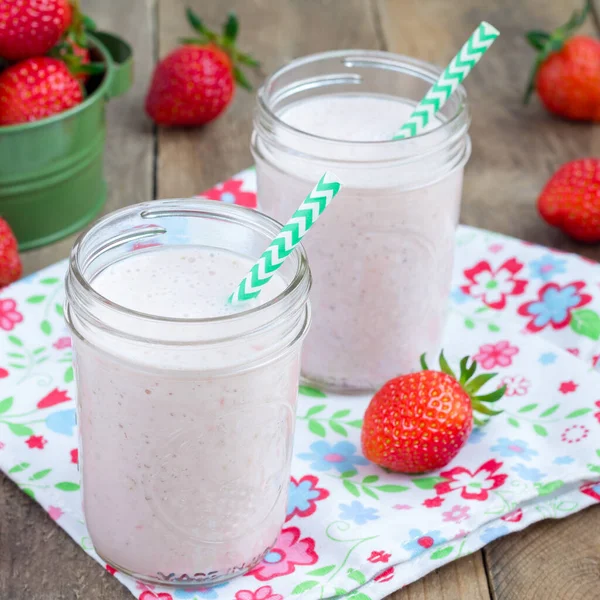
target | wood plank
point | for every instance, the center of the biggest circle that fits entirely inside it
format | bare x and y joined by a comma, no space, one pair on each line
515,150
38,561
274,31
552,559
463,579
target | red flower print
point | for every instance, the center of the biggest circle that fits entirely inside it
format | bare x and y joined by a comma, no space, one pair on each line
75,456
379,556
472,486
566,387
513,517
231,193
110,569
573,351
433,502
495,248
595,360
1,445
55,512
574,434
36,441
149,595
495,355
515,386
262,593
597,415
62,343
3,373
56,396
592,490
303,495
553,306
289,551
385,575
9,315
494,286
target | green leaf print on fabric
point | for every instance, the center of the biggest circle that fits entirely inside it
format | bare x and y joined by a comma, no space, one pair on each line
578,413
305,586
50,280
307,390
358,576
20,429
6,404
586,322
40,474
318,423
322,571
35,299
441,553
67,486
427,483
46,327
68,377
13,339
368,485
544,489
19,468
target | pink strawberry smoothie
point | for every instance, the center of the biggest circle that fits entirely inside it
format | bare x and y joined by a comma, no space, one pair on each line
185,465
382,254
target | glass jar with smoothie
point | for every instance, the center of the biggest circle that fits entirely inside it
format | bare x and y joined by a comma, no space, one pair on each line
382,254
186,405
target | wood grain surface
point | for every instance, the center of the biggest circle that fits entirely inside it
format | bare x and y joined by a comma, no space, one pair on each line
515,149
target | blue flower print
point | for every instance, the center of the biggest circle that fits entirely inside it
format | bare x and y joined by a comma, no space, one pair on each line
421,541
208,593
529,473
341,456
358,513
546,267
508,448
302,496
553,306
547,358
493,533
477,435
563,460
459,297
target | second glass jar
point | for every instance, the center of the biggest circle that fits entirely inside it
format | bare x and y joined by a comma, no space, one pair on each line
382,253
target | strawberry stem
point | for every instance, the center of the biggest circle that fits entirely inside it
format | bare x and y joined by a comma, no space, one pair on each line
546,43
225,41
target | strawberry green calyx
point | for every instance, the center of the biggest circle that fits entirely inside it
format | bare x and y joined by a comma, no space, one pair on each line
546,43
471,385
226,42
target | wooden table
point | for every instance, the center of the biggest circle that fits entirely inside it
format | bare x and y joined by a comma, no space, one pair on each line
515,149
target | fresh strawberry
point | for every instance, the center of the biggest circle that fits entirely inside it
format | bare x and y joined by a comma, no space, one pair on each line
31,27
566,74
194,84
74,47
10,263
570,200
419,422
36,88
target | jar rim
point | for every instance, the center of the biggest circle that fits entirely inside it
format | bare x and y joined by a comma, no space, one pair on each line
379,58
193,207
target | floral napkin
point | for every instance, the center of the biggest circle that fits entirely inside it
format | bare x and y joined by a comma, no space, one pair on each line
353,530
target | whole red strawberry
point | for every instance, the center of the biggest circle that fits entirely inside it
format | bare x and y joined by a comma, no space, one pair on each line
571,200
419,422
10,263
566,74
36,88
31,27
195,83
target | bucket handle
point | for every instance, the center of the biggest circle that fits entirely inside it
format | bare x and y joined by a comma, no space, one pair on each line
122,63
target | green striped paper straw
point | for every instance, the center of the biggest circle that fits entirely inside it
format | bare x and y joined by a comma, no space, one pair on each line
287,239
454,74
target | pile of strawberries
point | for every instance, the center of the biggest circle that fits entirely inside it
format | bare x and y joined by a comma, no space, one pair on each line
44,58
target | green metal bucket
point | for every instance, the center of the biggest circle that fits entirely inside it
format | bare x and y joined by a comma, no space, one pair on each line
51,171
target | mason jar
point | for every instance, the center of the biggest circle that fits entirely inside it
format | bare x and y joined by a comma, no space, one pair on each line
186,423
381,255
